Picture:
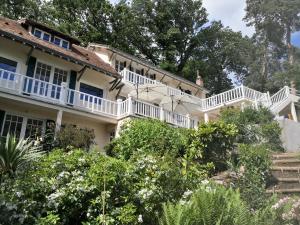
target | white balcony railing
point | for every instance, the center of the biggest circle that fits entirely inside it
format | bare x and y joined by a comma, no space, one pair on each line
59,94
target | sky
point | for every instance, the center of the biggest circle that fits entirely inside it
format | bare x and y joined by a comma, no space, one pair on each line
231,13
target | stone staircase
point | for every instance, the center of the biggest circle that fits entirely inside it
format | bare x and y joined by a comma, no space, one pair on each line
286,173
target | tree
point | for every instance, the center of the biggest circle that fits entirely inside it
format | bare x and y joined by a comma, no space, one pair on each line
274,21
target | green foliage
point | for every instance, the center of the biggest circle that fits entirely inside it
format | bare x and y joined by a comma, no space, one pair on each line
15,154
254,163
211,204
149,136
255,127
79,187
214,142
72,136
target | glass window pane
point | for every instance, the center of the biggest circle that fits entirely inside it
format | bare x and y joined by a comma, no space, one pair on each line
37,33
65,44
12,125
34,128
57,41
46,37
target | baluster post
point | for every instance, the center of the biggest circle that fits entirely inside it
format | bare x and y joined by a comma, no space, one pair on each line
188,121
130,105
161,114
63,93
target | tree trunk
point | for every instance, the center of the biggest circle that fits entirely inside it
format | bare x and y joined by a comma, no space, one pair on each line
289,44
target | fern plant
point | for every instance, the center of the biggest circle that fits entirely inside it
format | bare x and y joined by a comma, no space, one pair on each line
15,153
208,206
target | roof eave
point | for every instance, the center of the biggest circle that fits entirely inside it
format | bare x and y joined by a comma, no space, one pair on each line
126,55
59,54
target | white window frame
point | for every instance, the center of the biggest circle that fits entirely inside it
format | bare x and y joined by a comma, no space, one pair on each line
24,123
61,42
42,34
52,71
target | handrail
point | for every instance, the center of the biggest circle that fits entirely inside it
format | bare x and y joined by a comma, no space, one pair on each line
280,96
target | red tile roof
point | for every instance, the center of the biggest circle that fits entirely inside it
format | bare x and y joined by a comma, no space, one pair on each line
14,30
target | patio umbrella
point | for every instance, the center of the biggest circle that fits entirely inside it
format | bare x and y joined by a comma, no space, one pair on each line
185,103
150,92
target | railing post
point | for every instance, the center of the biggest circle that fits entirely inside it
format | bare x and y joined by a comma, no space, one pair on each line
63,93
130,105
188,121
287,91
243,91
161,114
119,105
269,101
21,84
206,117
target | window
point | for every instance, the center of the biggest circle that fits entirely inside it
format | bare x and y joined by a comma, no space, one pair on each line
90,90
61,42
65,44
34,128
119,66
12,125
38,33
46,37
43,72
7,65
22,127
57,41
60,76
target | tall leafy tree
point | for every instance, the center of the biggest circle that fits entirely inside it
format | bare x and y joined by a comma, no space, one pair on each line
274,21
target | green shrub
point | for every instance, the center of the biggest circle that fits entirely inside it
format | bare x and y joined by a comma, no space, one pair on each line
76,137
211,204
150,136
255,163
255,126
214,142
75,187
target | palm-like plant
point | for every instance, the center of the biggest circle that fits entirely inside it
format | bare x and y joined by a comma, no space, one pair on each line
15,154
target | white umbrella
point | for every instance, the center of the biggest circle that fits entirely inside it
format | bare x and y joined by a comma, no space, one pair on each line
150,92
185,103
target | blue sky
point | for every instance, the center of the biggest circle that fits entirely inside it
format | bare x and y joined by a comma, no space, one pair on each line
231,13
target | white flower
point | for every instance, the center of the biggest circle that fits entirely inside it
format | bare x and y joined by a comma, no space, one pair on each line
140,219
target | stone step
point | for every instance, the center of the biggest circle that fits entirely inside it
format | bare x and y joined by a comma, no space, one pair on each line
285,174
284,191
289,155
287,185
286,168
288,179
291,162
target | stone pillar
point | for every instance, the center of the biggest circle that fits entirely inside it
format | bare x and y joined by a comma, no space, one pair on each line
58,120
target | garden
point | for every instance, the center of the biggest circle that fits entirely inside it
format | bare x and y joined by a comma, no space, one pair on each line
151,174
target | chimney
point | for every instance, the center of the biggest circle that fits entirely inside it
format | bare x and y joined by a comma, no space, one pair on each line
199,80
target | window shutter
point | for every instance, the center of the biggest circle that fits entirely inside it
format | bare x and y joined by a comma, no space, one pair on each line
2,114
72,84
31,67
73,77
125,64
30,73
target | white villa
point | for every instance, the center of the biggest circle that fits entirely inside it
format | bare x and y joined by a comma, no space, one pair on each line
47,78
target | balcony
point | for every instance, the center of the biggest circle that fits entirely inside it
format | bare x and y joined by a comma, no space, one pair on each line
36,89
233,96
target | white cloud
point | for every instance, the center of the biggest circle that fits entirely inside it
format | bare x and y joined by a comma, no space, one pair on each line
230,12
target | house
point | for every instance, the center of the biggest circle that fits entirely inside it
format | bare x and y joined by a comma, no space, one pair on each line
48,79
